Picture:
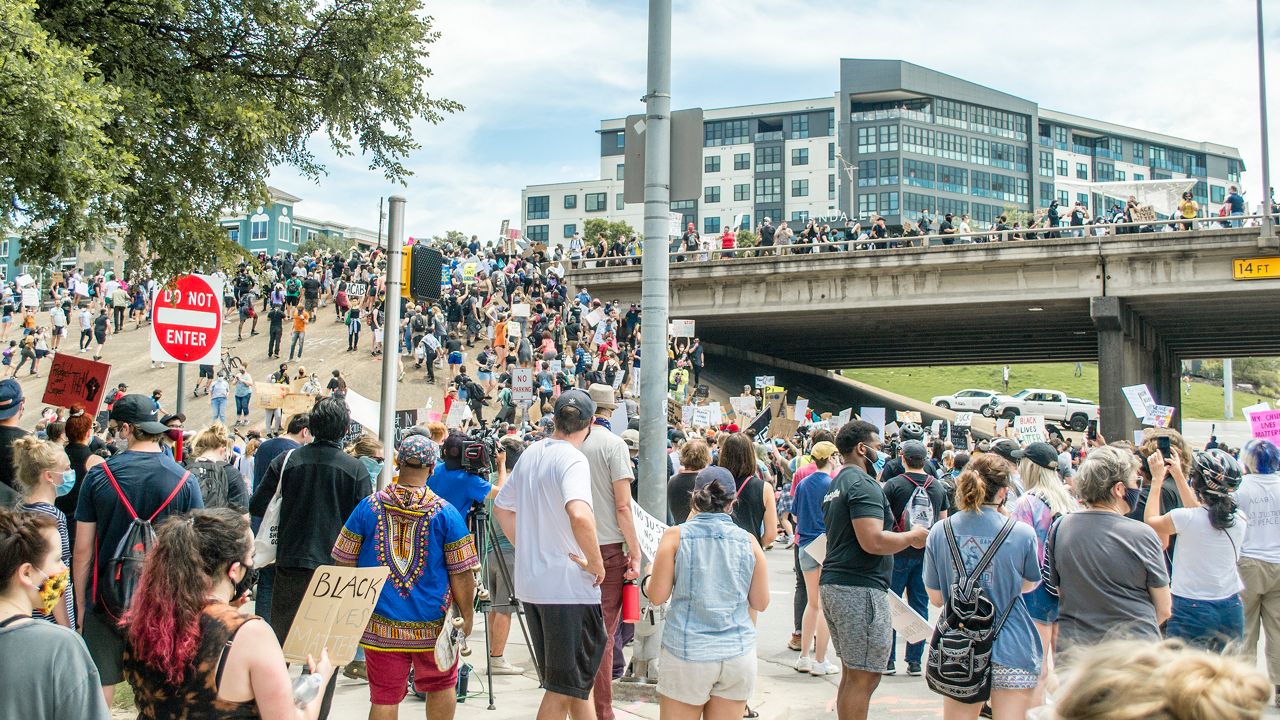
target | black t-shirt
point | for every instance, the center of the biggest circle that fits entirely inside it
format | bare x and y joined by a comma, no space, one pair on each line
854,494
146,479
311,288
944,227
276,318
453,345
679,496
7,436
898,492
1169,500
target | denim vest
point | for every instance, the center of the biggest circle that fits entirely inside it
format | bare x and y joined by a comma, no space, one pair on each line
707,620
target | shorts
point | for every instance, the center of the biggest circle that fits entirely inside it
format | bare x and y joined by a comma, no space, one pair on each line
483,375
807,563
229,301
694,683
455,358
860,625
1004,677
206,371
568,643
389,674
106,647
1041,605
291,300
495,581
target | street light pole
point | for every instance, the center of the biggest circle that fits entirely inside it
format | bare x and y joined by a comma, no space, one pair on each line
391,335
1268,227
655,271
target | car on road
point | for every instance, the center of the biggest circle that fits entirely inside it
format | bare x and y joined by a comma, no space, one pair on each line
971,400
1052,405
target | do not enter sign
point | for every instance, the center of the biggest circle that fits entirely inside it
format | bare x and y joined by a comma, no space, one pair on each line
186,321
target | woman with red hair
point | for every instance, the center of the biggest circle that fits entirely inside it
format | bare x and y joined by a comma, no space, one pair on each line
190,654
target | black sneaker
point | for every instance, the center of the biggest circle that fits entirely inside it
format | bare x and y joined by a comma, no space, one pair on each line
913,669
890,669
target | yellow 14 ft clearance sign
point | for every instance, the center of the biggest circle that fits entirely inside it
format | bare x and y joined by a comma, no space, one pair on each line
1258,268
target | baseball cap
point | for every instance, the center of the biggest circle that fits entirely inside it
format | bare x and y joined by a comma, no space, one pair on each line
915,451
417,451
10,398
1007,448
453,444
822,450
715,474
137,410
1041,454
631,438
578,400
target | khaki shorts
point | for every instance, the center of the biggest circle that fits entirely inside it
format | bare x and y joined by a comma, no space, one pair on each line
693,683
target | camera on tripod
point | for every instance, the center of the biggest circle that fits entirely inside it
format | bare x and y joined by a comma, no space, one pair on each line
480,452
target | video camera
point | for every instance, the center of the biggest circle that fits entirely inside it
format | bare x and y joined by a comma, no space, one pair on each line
480,452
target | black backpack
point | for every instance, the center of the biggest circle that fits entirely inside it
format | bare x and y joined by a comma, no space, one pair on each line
122,572
212,482
959,664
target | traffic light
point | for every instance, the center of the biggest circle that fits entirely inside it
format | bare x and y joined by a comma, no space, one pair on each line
425,266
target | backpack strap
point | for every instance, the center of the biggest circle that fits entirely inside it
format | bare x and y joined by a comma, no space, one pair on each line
971,578
172,494
106,467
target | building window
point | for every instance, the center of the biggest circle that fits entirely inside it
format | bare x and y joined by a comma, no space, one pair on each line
742,192
1060,138
953,179
711,163
1138,177
232,233
799,156
799,188
1046,193
867,170
742,161
866,140
538,207
1083,199
831,187
918,174
596,202
917,203
711,225
297,235
537,233
711,194
686,210
1139,153
1217,194
888,138
799,127
1120,175
726,132
570,202
1082,171
831,123
831,155
952,146
618,202
888,203
866,204
799,216
620,172
570,229
981,152
258,230
1062,168
954,207
768,159
889,171
1105,172
1046,164
768,190
312,236
917,140
620,140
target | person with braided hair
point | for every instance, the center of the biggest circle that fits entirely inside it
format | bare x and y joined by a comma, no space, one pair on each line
1207,609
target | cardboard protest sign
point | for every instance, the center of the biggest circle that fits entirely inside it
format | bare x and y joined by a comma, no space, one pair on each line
843,418
1260,407
1001,425
1140,399
777,402
763,381
355,291
30,297
783,428
716,414
964,418
648,531
681,328
1031,429
701,417
297,403
743,406
520,310
959,436
618,420
909,624
906,416
1265,425
873,415
686,414
594,317
1160,416
458,414
75,381
802,410
334,612
405,420
270,396
891,429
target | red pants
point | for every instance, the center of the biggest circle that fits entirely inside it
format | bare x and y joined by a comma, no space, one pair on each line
615,564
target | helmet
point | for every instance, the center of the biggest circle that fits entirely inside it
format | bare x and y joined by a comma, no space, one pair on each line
911,431
1217,471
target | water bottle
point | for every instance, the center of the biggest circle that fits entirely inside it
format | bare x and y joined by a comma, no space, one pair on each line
305,689
630,602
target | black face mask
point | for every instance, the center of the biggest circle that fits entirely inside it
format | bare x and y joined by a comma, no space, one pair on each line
245,584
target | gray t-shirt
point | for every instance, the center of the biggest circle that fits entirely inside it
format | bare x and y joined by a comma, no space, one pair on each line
49,674
609,460
1103,566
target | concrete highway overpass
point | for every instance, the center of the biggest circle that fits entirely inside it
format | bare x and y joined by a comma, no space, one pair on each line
1138,304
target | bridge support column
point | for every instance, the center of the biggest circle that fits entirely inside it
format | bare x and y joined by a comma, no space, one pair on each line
1130,352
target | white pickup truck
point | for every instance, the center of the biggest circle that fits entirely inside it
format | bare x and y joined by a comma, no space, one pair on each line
1053,405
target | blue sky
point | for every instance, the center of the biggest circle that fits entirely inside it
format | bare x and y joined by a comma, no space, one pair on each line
537,76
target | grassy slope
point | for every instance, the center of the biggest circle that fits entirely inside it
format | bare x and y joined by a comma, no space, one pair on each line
922,383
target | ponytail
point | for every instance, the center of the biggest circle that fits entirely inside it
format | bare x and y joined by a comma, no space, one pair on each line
981,481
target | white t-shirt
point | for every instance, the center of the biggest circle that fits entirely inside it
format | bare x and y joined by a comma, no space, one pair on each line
1259,500
1204,560
548,476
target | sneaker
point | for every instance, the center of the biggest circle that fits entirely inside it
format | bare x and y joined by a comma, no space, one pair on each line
794,643
913,669
890,669
502,666
823,668
804,664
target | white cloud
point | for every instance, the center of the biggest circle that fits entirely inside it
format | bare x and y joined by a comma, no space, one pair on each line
536,78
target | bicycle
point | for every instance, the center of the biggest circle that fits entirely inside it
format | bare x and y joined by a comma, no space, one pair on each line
231,365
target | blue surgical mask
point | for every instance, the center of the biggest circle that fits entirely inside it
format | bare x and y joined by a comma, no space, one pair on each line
68,482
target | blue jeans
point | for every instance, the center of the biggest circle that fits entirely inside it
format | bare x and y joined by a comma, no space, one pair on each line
1207,624
219,409
242,405
908,575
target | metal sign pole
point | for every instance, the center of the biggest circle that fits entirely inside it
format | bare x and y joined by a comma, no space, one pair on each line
391,334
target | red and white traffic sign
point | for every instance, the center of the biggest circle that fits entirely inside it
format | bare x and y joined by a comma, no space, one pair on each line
186,321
